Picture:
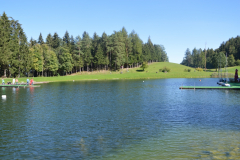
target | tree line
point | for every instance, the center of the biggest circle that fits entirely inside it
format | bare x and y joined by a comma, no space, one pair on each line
214,58
61,56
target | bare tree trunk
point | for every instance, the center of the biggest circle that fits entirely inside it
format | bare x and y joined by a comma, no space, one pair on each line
79,60
10,74
19,72
5,72
110,62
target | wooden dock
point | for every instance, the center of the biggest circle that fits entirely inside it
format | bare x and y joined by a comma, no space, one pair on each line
21,85
211,87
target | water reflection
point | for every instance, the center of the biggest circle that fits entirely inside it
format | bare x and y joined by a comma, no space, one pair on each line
119,120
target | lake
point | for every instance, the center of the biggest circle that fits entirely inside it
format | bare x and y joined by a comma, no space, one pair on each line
121,119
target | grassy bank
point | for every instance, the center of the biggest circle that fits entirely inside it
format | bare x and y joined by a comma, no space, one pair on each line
152,72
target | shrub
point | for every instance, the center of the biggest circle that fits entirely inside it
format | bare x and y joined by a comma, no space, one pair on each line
165,69
144,65
189,70
237,62
199,69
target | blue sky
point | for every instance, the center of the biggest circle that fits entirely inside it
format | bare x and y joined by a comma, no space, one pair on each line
175,24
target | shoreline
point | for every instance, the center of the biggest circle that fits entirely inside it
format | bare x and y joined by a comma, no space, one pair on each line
115,79
152,72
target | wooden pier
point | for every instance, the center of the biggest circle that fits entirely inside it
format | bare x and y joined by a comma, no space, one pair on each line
20,85
232,87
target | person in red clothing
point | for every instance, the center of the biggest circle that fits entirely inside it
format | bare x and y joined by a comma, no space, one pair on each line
31,82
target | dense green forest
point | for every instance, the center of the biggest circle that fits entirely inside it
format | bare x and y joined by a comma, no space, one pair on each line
216,57
61,56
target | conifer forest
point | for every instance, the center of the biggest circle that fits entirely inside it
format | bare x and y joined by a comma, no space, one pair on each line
214,57
58,55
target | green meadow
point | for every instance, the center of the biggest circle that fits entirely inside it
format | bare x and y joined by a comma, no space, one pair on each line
152,72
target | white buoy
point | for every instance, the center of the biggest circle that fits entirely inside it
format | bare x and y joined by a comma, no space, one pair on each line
4,96
143,81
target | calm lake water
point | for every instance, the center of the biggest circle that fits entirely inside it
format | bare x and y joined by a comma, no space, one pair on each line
128,119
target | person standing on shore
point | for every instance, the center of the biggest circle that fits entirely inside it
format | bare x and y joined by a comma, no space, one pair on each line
27,81
3,83
31,82
13,81
16,81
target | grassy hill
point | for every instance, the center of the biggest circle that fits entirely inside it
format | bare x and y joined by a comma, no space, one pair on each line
152,72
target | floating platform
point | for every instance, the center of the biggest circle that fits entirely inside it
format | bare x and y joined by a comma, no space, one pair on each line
210,87
21,85
233,86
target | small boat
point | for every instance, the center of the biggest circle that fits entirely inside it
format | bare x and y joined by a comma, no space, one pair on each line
223,82
226,84
220,83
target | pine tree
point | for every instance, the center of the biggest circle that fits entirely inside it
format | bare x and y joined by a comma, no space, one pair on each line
65,60
118,49
50,60
72,45
151,49
146,53
40,39
78,50
99,57
49,40
137,48
55,41
37,58
231,61
86,48
20,52
219,59
110,49
104,46
158,51
194,57
5,40
128,45
95,42
32,42
66,39
164,55
210,58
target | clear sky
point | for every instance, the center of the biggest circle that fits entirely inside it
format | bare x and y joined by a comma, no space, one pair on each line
175,24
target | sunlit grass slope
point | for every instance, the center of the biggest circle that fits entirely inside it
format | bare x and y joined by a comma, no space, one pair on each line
232,69
152,72
176,71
